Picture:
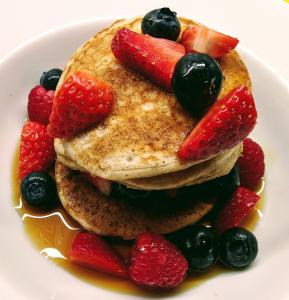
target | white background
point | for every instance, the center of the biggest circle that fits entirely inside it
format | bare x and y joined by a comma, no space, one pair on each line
261,25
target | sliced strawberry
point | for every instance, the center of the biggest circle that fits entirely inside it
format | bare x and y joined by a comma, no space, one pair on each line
103,185
36,149
90,250
155,58
227,123
236,209
198,38
81,102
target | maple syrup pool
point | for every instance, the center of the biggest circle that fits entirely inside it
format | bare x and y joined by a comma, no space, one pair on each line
52,233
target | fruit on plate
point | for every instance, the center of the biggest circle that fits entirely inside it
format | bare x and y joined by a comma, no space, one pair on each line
36,149
40,104
199,38
49,79
251,164
161,23
197,82
154,58
238,248
226,124
236,209
38,190
90,250
156,263
81,102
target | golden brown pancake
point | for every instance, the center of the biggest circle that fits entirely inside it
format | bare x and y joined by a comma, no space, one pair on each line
120,217
142,135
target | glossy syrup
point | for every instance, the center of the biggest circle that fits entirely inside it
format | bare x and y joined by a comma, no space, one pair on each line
52,234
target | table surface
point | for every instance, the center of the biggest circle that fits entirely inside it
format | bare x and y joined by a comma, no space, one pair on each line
261,25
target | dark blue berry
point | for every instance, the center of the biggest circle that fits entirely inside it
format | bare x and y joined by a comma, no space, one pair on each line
197,82
122,191
238,248
50,79
38,190
198,244
161,23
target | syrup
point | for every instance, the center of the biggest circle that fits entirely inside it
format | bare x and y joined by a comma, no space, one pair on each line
52,234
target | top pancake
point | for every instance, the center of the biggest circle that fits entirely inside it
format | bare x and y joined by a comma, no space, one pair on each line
142,135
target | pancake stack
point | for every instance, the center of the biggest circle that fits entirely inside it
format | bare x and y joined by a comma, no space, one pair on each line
136,146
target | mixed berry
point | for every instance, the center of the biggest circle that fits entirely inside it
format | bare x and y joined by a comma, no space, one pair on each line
189,68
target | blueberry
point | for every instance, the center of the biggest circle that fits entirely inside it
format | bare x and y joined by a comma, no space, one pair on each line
38,190
122,191
238,248
197,82
161,23
50,79
198,244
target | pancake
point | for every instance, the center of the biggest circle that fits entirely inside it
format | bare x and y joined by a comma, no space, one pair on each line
196,174
143,133
121,218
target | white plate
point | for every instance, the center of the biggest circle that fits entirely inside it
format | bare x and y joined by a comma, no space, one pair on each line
24,274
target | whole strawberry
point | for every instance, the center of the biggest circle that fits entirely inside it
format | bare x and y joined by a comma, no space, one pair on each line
90,250
156,263
226,124
40,104
236,209
36,149
251,164
81,102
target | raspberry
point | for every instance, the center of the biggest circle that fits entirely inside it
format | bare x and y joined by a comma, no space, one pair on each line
251,164
156,263
36,149
81,102
40,104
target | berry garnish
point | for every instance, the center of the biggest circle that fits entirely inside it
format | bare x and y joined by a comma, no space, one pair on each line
161,23
251,164
92,251
238,248
121,191
198,244
104,185
226,124
156,263
49,80
40,104
198,38
36,149
153,57
38,190
81,102
197,81
236,209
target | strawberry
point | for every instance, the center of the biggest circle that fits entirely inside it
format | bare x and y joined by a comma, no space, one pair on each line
226,124
155,58
81,102
90,250
156,263
104,185
40,104
251,164
36,149
198,38
243,200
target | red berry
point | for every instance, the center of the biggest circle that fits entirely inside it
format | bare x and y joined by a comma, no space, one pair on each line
198,38
226,124
155,58
156,263
90,250
251,164
40,104
243,200
81,102
104,185
36,149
